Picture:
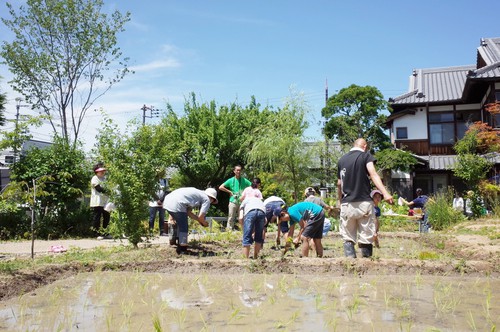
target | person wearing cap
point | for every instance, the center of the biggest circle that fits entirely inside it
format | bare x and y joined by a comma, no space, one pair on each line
98,200
179,205
310,196
234,187
252,216
376,195
419,201
357,217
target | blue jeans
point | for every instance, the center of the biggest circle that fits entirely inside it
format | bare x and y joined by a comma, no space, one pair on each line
254,221
181,218
152,217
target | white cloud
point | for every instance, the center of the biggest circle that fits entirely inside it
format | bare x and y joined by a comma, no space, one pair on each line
157,64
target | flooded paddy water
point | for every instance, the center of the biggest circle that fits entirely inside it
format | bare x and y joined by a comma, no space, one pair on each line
142,301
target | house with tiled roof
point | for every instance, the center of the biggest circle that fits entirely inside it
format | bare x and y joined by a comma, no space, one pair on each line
435,113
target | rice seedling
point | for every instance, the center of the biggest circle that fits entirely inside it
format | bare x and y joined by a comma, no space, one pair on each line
487,305
318,300
127,309
284,325
235,315
109,322
471,322
445,299
180,317
157,323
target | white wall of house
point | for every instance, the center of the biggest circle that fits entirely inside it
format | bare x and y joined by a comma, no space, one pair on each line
416,125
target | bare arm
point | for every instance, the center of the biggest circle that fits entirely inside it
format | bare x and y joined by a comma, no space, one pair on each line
370,167
224,189
339,192
200,218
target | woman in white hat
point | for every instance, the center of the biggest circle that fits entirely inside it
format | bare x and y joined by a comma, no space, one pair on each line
98,200
179,205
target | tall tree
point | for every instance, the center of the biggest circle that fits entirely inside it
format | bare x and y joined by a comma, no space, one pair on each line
134,162
354,112
279,144
210,139
63,57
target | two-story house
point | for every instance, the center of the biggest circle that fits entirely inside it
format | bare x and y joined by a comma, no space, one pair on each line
436,112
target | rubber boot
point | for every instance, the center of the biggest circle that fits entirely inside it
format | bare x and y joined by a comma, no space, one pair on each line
366,249
172,233
349,250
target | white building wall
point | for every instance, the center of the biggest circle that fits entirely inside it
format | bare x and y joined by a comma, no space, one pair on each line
416,125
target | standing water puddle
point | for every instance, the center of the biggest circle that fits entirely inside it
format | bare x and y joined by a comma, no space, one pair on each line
126,301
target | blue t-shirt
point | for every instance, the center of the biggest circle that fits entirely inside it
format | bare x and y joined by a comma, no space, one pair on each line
377,211
298,210
420,201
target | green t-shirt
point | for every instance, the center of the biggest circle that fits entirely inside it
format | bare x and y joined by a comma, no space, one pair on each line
236,186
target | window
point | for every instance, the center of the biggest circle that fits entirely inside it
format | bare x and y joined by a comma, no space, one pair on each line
9,159
464,120
401,132
441,128
496,117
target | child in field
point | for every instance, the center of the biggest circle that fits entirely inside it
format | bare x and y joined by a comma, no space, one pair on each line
252,191
376,195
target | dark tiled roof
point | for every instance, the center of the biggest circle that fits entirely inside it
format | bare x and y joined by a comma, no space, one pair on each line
435,85
446,162
447,84
439,162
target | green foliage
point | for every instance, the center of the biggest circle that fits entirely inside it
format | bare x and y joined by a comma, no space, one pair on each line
63,57
278,144
392,159
490,192
58,176
440,212
134,163
355,112
471,168
271,186
209,140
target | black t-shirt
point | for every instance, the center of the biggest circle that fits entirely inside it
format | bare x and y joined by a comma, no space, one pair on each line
354,176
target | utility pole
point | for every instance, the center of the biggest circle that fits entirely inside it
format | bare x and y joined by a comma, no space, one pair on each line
18,107
153,113
327,156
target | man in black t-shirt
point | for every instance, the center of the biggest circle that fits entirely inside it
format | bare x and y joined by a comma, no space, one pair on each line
357,219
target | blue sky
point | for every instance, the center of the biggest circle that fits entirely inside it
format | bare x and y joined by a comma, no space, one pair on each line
228,51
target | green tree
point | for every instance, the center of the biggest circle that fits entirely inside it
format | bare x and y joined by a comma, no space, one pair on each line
208,140
61,176
278,144
133,162
354,112
394,159
64,57
470,166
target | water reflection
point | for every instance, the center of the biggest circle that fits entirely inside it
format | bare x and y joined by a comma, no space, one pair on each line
117,301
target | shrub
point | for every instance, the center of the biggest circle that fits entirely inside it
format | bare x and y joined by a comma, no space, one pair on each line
440,212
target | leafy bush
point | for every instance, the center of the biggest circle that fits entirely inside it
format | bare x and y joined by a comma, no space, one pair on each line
440,212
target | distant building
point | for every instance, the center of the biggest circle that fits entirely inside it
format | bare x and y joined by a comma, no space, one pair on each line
435,113
8,157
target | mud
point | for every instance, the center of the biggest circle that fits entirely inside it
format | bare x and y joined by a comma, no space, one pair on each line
400,254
